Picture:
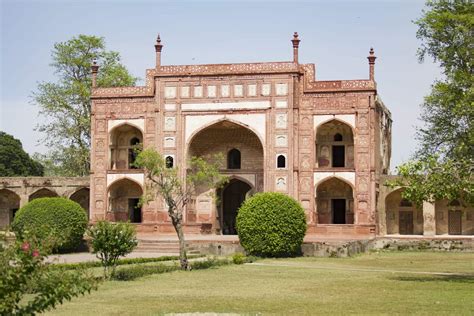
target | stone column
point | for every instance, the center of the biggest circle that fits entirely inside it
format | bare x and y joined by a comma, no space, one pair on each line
429,223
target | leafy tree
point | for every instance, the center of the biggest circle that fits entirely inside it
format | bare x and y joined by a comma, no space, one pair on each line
110,241
66,104
29,286
176,190
445,160
14,161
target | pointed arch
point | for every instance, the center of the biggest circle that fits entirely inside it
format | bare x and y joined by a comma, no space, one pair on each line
9,204
335,201
43,192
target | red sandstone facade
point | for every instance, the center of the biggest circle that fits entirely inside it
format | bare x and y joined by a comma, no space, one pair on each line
325,143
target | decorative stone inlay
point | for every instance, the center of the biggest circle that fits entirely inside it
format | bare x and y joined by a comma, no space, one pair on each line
185,92
281,141
170,107
170,92
211,91
281,121
225,91
252,90
281,183
266,89
281,89
170,142
198,91
170,123
238,90
281,104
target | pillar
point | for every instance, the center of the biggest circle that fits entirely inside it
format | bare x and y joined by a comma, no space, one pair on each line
429,223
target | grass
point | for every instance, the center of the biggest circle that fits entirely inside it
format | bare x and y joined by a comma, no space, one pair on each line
370,284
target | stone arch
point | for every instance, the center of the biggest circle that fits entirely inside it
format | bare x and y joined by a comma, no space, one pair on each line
81,197
335,201
9,204
123,198
335,144
122,144
41,193
402,216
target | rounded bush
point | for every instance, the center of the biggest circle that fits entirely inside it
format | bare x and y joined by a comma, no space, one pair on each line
271,225
61,219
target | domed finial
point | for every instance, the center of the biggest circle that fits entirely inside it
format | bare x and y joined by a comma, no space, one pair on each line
158,39
296,44
158,45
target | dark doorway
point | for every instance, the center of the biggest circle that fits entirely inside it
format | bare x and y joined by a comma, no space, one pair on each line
233,159
405,223
232,197
338,157
338,211
455,223
134,210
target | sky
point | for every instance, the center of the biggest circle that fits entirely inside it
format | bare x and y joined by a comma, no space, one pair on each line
335,35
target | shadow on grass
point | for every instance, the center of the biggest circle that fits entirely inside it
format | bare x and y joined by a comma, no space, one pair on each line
459,278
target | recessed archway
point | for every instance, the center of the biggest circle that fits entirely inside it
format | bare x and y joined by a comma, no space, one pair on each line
335,145
125,139
233,195
41,193
335,202
124,197
402,216
81,197
9,204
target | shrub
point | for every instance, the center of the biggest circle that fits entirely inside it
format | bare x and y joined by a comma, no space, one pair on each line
238,258
209,263
138,271
58,218
110,241
271,225
29,286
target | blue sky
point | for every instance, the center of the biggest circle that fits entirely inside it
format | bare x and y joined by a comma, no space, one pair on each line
336,36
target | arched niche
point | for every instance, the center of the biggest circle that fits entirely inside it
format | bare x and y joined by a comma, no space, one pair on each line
124,141
82,197
402,216
41,193
335,145
335,202
123,201
9,204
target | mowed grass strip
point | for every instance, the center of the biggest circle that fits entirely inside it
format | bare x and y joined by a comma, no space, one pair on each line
273,288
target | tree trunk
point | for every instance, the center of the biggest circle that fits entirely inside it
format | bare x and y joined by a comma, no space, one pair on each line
183,258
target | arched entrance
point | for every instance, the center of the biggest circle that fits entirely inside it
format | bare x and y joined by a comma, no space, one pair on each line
41,193
124,198
233,196
402,216
9,204
335,145
335,202
124,140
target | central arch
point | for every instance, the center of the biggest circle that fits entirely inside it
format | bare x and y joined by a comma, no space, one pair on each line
233,195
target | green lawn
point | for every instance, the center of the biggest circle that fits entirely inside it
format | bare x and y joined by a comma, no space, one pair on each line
375,283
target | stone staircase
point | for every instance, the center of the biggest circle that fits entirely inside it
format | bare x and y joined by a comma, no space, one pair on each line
170,247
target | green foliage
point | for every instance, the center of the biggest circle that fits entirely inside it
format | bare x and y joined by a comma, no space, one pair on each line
176,190
271,225
59,218
29,286
447,137
14,161
138,271
111,241
119,262
66,104
211,262
238,258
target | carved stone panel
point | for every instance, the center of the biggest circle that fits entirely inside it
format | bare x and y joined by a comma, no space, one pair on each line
281,121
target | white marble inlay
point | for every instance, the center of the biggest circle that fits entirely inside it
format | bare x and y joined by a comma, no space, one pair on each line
185,92
225,106
170,107
170,142
281,183
281,141
281,120
139,123
266,89
170,123
211,91
281,88
170,92
281,104
252,90
225,91
238,90
198,91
